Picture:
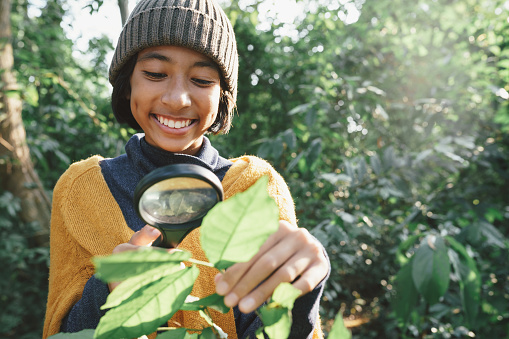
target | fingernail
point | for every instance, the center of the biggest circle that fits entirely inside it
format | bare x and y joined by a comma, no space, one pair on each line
153,231
231,300
247,305
222,288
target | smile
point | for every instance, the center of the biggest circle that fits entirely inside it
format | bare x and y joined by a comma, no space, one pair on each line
173,123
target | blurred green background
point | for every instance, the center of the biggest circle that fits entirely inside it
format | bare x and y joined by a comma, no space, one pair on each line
389,120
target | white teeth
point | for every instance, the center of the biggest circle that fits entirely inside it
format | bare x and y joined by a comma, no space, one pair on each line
172,123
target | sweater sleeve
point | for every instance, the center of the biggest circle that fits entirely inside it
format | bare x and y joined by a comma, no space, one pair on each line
85,222
87,312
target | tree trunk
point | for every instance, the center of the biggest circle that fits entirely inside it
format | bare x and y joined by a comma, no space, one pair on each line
17,174
124,10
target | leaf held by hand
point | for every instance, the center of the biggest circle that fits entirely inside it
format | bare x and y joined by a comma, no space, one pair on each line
277,314
234,230
145,312
120,266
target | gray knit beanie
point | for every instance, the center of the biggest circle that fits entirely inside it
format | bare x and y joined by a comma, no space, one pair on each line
200,25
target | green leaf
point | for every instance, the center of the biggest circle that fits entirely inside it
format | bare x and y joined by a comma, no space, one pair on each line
85,334
285,295
234,230
265,149
314,151
128,287
350,171
492,214
289,138
208,319
31,96
470,280
207,333
406,294
493,236
214,301
277,148
339,330
301,108
178,333
503,63
295,161
403,248
120,266
376,164
277,321
277,314
431,269
362,169
335,178
145,311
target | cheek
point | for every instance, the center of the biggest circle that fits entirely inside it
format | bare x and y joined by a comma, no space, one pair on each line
214,102
214,109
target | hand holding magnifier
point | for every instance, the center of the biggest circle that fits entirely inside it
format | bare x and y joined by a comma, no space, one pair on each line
175,198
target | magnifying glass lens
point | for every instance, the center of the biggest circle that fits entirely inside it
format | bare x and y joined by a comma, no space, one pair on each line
175,198
177,201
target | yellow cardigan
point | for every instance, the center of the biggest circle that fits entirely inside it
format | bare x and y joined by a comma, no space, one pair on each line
86,221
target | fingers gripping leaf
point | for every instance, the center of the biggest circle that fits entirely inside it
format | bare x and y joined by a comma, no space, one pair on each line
235,229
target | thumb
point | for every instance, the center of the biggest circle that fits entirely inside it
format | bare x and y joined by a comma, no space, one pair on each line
145,237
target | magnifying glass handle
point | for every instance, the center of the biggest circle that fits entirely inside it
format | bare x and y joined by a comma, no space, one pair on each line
172,235
169,239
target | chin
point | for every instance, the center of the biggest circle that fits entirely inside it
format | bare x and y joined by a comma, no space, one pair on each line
188,149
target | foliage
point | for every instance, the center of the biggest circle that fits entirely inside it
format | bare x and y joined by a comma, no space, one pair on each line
22,265
66,109
389,133
67,117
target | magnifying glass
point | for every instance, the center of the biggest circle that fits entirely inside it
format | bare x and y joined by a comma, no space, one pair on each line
175,198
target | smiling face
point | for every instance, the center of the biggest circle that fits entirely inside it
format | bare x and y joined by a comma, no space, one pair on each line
174,97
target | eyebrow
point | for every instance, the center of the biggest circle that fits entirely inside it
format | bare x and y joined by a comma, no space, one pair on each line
164,58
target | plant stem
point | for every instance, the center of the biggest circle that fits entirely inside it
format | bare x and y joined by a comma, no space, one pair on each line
199,262
175,328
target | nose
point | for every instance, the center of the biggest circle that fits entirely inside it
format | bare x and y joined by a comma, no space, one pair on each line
176,96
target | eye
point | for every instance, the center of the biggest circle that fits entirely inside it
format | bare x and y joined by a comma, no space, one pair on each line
153,75
201,82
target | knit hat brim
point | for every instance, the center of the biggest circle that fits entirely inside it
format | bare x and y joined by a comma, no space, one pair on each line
200,25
